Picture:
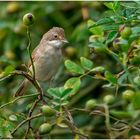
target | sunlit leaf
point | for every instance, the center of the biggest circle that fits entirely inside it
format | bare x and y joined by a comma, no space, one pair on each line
86,63
112,5
73,82
95,30
9,69
13,118
73,67
98,69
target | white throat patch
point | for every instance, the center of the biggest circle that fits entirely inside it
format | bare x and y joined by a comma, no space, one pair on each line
55,43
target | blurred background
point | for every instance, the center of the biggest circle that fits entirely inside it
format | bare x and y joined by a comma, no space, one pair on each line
72,16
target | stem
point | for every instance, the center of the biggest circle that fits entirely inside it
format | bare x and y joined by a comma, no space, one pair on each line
107,120
20,97
24,121
115,56
29,116
29,51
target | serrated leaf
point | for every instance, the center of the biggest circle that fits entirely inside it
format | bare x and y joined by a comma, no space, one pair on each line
111,36
73,67
86,63
110,77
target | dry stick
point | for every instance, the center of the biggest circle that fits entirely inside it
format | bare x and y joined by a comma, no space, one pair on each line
71,124
74,129
39,89
29,115
24,121
30,78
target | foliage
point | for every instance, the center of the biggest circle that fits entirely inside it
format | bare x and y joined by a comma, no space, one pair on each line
96,93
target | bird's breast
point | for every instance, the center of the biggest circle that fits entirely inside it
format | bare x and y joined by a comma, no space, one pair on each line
48,63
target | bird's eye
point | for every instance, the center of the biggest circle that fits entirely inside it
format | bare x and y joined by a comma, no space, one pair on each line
55,36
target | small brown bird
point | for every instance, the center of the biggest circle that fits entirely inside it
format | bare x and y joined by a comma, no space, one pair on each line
46,57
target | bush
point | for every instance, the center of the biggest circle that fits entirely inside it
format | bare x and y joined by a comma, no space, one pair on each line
100,69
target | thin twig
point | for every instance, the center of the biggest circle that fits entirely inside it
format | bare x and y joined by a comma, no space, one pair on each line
29,115
71,124
29,51
20,97
24,121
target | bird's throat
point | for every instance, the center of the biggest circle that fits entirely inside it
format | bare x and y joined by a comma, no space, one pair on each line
55,43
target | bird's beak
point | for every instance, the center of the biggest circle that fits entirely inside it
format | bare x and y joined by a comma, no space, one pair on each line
65,41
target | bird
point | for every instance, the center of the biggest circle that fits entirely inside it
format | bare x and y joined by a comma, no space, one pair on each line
47,57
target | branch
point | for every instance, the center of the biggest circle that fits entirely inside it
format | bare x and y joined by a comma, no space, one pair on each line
24,121
71,124
29,51
29,116
20,97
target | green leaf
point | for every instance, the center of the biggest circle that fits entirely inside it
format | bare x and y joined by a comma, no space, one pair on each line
13,118
73,82
112,5
110,27
121,114
66,92
130,5
97,44
86,63
136,101
104,21
135,30
5,128
55,92
73,67
59,92
95,30
98,69
9,69
111,36
90,23
110,77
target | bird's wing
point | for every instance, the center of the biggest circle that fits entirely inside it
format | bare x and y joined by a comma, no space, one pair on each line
35,55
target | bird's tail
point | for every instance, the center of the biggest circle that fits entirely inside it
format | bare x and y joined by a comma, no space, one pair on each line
21,88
